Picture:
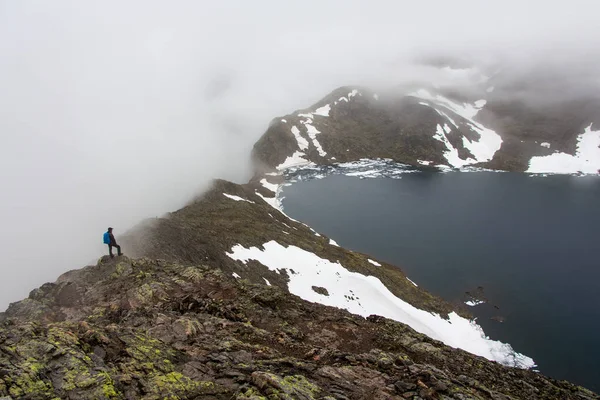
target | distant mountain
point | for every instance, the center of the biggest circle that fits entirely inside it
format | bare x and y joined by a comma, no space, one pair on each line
431,127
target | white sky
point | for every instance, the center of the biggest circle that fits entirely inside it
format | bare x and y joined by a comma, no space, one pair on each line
114,111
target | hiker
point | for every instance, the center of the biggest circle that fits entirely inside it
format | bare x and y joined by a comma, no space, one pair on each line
109,239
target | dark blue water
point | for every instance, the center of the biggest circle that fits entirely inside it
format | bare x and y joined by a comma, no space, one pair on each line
532,243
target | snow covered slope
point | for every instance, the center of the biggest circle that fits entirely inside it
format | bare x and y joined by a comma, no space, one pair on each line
231,225
482,148
366,295
586,159
435,128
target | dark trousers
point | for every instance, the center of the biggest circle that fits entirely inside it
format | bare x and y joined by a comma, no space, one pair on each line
110,246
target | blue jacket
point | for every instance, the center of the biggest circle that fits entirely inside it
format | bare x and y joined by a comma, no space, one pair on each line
106,238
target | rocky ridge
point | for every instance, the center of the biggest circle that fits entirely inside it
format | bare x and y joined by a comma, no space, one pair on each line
154,329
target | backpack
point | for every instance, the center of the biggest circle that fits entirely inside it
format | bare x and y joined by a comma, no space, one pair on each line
106,238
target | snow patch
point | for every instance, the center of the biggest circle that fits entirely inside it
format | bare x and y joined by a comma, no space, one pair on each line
443,114
270,186
451,154
272,201
473,303
374,262
323,111
284,121
367,295
483,149
412,282
302,143
236,275
424,162
479,104
237,198
307,121
545,144
267,282
465,110
586,159
295,160
333,243
312,133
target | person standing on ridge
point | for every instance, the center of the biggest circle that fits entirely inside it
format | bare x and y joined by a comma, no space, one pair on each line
110,240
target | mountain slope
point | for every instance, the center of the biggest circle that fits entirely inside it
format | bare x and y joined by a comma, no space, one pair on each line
151,329
427,127
207,229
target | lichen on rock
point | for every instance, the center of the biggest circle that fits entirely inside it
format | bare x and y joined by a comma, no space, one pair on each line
217,337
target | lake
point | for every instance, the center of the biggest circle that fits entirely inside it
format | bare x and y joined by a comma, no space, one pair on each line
530,243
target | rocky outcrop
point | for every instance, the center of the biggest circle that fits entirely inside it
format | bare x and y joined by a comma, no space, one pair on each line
154,329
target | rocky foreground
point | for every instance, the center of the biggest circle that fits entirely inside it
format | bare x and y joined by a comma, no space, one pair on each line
152,329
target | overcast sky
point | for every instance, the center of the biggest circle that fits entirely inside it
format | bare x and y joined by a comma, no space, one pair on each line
113,111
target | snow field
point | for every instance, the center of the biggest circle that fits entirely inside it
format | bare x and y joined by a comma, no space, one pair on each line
237,198
586,159
366,295
307,120
302,143
271,186
295,160
473,303
483,149
451,153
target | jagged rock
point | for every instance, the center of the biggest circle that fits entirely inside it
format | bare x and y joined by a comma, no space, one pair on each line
227,345
404,386
320,290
